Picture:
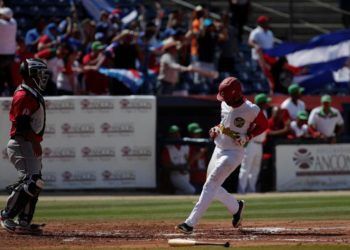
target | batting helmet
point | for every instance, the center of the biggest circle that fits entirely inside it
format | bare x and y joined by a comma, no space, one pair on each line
229,89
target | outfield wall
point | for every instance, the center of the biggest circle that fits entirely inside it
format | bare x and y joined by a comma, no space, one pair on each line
92,142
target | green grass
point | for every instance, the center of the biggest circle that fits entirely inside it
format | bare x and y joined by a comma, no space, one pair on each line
312,207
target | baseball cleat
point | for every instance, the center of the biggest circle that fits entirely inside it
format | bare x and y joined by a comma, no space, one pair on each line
28,230
184,228
9,225
237,217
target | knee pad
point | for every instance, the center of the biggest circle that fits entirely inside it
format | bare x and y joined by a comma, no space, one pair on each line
34,185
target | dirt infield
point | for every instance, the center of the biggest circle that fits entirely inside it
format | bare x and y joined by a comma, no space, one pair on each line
128,234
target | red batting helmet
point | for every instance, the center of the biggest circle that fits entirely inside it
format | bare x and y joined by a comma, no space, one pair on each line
230,88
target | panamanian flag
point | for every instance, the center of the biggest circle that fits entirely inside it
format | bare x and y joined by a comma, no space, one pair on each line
131,78
322,60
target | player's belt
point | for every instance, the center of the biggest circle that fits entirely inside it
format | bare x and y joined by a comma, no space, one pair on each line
227,131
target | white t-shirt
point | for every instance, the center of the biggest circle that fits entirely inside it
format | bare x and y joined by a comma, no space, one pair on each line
292,108
299,132
264,38
178,155
55,65
64,80
325,124
8,30
238,120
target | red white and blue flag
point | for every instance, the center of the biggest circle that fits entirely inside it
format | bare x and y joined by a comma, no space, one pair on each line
131,78
320,61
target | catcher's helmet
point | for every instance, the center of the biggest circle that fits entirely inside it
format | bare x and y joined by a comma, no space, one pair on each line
229,89
37,70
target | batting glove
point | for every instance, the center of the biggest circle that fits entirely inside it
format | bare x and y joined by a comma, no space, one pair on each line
213,132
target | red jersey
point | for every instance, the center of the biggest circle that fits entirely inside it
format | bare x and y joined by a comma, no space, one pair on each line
28,101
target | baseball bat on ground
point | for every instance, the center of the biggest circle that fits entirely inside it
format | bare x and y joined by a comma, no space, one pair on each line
186,243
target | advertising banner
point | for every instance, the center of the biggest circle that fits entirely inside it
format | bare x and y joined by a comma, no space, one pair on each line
312,167
92,142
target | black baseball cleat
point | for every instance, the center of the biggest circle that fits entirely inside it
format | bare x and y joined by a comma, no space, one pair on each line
184,228
9,225
237,217
29,229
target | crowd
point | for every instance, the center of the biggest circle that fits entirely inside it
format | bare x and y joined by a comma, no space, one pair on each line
173,52
289,121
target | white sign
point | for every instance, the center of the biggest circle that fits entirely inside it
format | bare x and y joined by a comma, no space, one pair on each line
92,142
313,167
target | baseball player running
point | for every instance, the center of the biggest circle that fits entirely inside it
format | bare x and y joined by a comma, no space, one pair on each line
27,115
241,120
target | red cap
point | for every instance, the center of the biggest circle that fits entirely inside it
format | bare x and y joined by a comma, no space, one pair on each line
229,88
262,19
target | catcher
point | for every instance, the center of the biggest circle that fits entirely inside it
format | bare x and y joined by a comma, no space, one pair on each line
27,115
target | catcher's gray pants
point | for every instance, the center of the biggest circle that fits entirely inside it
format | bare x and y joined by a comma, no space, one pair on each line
22,156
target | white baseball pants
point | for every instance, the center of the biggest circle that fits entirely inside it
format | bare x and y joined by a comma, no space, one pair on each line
222,164
250,168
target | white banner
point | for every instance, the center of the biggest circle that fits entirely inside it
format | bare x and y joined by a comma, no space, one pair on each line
92,142
313,167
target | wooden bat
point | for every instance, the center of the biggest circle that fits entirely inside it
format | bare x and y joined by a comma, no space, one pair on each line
187,243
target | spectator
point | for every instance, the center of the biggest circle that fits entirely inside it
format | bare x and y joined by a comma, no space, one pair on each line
123,52
198,161
8,30
175,160
95,83
48,39
261,38
293,104
278,124
300,128
207,40
194,31
88,31
169,70
239,15
228,46
33,35
67,82
325,121
253,152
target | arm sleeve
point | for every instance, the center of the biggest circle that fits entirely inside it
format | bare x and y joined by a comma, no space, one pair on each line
171,64
260,123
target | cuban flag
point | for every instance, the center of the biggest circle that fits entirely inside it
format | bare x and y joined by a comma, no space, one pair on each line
321,61
131,78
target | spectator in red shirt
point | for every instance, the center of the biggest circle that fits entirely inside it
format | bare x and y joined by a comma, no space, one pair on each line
95,83
279,123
